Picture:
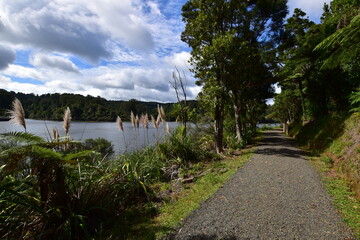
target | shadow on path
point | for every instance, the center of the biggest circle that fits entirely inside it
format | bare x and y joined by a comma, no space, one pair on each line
276,195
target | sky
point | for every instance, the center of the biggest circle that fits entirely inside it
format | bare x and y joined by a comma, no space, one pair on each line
118,50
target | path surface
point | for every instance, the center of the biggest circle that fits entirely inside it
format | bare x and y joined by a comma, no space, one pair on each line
276,195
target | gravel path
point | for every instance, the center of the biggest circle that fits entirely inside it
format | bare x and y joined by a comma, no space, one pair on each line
276,195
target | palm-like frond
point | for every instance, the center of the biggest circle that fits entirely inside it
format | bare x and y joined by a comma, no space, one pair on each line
22,137
344,44
355,101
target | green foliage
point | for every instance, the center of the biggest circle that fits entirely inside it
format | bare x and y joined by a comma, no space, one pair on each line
318,135
155,163
83,108
181,147
335,139
346,202
320,65
231,57
100,145
355,101
47,190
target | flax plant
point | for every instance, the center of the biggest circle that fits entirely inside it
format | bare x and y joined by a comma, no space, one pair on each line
17,114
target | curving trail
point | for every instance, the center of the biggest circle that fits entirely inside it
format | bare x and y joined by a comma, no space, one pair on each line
276,195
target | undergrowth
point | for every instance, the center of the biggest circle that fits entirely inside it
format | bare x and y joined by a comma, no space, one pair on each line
334,141
76,190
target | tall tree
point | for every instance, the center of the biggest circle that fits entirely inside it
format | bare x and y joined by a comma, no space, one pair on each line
230,41
205,33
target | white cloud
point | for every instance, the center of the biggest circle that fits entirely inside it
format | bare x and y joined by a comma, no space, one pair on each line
116,81
179,60
83,28
154,8
24,72
54,62
4,80
134,45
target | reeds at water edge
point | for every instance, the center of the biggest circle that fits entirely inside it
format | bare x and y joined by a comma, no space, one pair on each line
17,113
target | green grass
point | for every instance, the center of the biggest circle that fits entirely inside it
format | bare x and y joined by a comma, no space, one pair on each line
331,140
343,197
345,201
173,212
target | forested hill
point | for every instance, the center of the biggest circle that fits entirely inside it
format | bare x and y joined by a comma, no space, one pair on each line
83,108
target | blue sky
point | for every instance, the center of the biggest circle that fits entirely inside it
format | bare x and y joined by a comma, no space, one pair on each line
118,50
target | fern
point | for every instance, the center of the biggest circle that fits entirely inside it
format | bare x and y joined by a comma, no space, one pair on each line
355,101
23,137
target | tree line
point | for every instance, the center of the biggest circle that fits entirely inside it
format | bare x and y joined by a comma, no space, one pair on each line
84,108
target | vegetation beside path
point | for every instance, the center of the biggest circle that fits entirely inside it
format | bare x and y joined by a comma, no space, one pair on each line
334,142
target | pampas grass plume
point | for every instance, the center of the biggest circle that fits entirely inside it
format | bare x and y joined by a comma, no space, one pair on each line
17,114
137,121
167,128
146,121
67,121
132,117
55,134
154,121
120,123
162,114
158,120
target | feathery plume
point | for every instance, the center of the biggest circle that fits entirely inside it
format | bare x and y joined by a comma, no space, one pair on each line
158,120
162,114
119,123
137,121
132,119
67,120
154,121
55,133
146,121
17,114
142,119
167,128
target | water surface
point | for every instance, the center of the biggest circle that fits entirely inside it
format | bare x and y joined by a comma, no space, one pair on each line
128,140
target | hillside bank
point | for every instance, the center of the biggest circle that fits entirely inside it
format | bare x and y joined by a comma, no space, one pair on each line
334,143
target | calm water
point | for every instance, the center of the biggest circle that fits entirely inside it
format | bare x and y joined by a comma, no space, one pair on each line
134,139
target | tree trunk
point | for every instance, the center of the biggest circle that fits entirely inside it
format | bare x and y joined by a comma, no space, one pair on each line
286,128
219,130
302,100
237,110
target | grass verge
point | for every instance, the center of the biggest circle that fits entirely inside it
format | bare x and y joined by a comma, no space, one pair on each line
343,198
191,196
173,213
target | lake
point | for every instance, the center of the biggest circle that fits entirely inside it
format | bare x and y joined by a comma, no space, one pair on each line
134,139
